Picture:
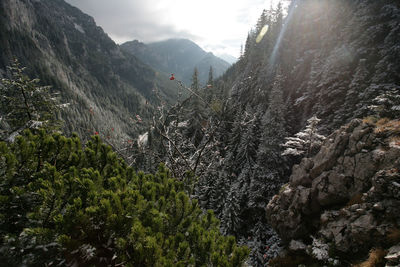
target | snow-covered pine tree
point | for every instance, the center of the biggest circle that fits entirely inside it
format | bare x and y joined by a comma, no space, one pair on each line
233,145
273,128
304,143
269,157
231,221
24,103
387,103
247,150
195,114
358,85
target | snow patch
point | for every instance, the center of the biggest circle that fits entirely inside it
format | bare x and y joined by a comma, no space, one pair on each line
183,124
79,28
319,250
143,139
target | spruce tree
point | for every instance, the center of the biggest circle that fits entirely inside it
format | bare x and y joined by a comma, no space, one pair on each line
231,221
266,178
305,143
195,114
210,82
273,127
195,81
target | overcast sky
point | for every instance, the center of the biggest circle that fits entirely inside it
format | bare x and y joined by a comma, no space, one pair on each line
219,26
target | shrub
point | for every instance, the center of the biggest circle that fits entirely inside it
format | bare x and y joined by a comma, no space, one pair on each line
64,204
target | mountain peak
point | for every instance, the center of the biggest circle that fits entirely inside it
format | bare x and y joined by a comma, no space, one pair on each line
179,56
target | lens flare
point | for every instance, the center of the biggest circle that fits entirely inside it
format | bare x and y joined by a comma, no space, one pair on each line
263,31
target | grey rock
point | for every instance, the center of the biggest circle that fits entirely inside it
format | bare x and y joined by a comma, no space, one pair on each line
297,245
352,161
393,255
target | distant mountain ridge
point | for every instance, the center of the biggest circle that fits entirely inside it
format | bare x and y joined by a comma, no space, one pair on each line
228,58
178,56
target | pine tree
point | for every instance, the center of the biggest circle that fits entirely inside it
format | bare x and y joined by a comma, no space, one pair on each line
249,45
387,103
305,143
195,115
23,101
262,21
357,86
247,149
231,221
273,128
210,82
267,179
233,145
84,206
195,81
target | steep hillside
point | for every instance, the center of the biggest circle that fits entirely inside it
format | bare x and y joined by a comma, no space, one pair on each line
64,47
179,56
345,201
337,60
335,57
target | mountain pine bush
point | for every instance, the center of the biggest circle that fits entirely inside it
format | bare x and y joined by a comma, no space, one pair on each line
65,204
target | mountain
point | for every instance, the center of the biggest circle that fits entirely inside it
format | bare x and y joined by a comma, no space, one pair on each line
178,56
296,146
228,58
63,47
335,60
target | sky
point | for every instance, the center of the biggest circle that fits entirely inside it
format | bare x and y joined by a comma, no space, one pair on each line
218,26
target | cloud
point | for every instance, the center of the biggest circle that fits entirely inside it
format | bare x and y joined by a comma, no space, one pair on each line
131,19
220,26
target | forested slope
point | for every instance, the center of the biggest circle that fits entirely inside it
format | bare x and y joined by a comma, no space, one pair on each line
63,47
336,60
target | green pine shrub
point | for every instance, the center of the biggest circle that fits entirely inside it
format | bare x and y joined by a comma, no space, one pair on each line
61,203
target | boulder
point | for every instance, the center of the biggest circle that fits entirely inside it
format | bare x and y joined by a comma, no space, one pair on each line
393,256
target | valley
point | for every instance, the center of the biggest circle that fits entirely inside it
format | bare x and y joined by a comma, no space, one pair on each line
287,157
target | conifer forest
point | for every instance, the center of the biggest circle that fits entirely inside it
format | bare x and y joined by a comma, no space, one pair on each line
162,154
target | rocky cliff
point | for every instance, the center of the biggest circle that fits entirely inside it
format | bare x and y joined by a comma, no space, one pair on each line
346,200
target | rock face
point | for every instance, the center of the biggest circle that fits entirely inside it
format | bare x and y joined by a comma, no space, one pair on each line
347,196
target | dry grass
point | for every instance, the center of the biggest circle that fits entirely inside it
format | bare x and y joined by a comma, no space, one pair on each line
393,235
370,120
386,125
382,121
376,258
